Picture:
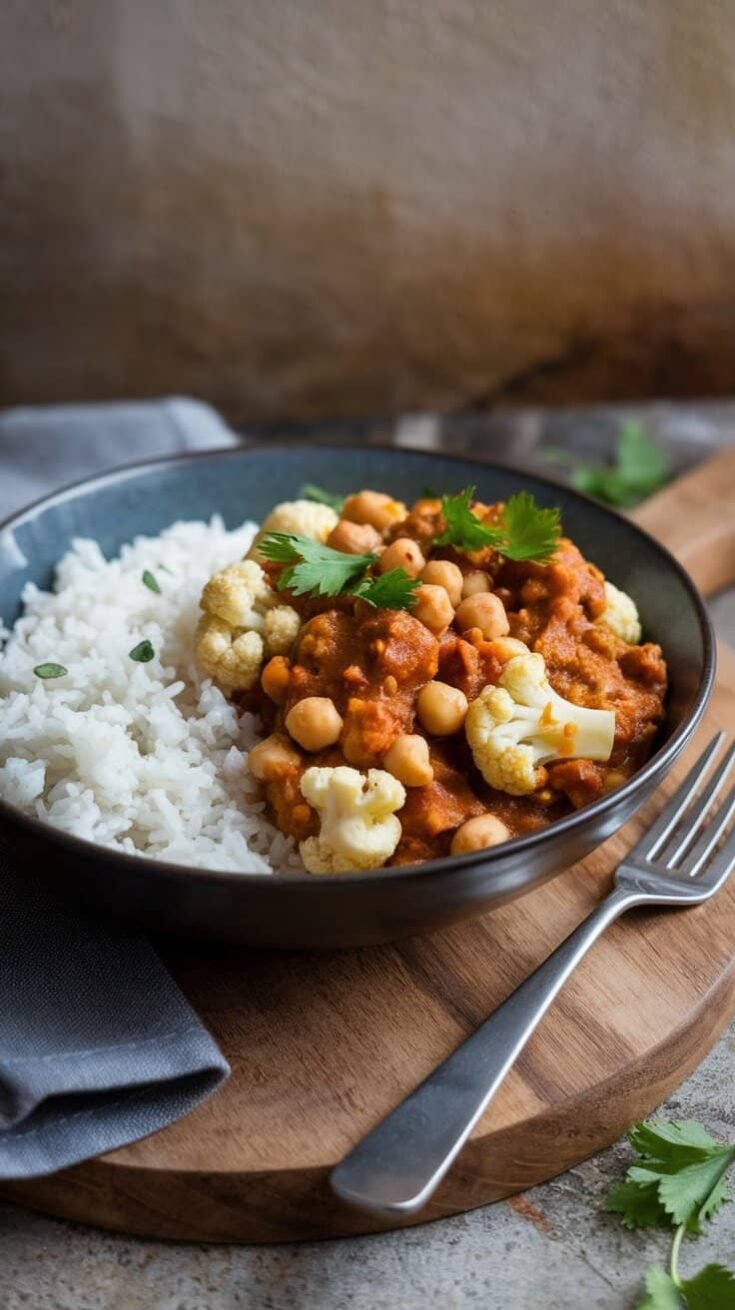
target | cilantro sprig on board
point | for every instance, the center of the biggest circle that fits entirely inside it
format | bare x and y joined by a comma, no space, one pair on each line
523,531
312,569
678,1181
639,469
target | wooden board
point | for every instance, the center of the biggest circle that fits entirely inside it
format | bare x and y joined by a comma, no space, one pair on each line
322,1046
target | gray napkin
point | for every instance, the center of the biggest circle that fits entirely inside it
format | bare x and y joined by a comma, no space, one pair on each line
98,1047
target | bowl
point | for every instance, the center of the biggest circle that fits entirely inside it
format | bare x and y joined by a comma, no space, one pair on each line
347,910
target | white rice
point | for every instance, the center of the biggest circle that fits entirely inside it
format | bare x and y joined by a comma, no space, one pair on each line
149,758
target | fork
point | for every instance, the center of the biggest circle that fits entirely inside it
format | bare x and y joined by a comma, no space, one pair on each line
682,860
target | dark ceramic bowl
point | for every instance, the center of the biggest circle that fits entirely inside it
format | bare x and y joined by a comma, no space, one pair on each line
350,909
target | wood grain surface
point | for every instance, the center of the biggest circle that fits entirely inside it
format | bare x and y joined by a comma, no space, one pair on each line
322,1047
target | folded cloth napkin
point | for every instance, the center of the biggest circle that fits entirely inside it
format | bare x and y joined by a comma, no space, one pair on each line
98,1047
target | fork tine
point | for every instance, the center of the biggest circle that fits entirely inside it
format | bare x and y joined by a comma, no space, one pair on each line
696,816
720,867
653,840
701,851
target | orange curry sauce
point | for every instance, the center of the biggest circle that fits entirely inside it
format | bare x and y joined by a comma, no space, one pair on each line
373,663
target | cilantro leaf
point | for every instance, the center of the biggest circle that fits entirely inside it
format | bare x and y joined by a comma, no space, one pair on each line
638,1205
464,529
311,568
523,530
639,470
528,531
685,1165
150,581
395,590
663,1294
143,653
697,1192
677,1181
712,1289
50,670
310,492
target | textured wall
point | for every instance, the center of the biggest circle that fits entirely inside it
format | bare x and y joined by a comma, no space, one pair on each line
309,207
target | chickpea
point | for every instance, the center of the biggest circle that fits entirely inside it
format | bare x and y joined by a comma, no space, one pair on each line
269,757
275,677
476,834
433,608
314,723
354,538
408,760
442,573
475,581
486,612
403,553
374,508
441,708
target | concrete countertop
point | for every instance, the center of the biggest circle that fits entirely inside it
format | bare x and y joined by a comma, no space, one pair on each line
554,1248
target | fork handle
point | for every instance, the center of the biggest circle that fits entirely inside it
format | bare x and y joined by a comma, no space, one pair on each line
395,1169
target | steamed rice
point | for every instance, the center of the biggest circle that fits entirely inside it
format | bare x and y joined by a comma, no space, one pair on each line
151,758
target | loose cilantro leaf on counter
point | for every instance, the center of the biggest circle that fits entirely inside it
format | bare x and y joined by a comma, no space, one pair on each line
50,670
677,1182
639,470
395,590
663,1294
312,568
523,531
682,1167
310,492
712,1289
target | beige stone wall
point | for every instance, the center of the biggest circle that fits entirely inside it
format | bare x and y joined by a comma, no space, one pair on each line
321,207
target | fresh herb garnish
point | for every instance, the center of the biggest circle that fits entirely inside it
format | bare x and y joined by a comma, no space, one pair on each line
143,653
50,671
150,582
312,569
677,1182
395,590
639,470
523,530
310,492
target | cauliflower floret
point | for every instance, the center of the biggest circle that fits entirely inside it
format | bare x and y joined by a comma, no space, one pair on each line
621,615
523,722
232,658
243,623
304,518
282,624
359,829
240,595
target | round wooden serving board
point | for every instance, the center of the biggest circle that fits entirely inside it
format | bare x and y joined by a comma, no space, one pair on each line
322,1047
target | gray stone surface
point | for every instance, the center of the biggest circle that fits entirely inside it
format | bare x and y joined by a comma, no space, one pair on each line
561,1251
555,1249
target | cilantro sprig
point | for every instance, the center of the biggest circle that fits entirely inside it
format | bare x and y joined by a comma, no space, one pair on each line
310,492
678,1181
312,569
395,590
523,531
639,469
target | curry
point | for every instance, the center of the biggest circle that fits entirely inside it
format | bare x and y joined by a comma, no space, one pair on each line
431,680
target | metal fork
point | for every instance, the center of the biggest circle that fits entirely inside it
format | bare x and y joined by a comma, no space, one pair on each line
682,860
